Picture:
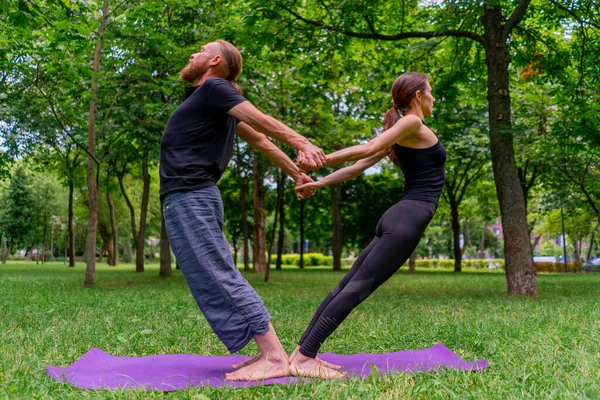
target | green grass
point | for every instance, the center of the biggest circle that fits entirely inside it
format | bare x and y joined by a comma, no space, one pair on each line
546,347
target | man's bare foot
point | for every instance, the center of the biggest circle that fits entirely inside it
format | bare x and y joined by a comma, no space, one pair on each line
263,368
325,363
246,362
312,367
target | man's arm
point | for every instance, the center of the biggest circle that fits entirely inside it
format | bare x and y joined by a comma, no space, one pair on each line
270,151
255,119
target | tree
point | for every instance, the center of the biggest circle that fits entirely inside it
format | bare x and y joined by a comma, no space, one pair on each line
259,262
365,21
18,214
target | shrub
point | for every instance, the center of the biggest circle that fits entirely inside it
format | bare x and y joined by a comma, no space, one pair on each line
18,257
449,263
557,267
310,259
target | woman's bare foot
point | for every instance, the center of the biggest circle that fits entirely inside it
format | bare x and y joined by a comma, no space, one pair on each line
325,363
312,367
246,362
263,368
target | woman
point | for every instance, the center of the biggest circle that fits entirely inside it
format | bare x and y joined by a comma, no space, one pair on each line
411,145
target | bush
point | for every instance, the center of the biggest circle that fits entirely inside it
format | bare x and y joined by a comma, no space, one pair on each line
18,257
449,263
557,267
310,259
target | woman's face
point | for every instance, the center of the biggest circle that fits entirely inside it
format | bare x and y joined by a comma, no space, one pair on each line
427,101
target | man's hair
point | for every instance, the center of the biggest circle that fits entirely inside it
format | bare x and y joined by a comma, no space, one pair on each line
233,58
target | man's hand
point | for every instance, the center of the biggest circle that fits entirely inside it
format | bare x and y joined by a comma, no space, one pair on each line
302,178
310,157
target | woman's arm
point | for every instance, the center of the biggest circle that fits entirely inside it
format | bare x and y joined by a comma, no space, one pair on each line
405,127
341,175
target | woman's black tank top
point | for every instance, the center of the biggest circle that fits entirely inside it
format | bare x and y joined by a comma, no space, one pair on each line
423,170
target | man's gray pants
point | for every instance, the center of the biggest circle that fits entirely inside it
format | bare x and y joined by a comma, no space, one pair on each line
194,222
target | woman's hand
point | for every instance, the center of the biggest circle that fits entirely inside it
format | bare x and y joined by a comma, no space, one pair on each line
306,190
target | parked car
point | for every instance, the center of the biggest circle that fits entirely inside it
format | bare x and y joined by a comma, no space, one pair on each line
592,266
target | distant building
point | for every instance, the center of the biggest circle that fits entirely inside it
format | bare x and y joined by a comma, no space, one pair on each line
497,229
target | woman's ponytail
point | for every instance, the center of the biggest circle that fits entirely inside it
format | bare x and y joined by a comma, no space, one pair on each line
392,116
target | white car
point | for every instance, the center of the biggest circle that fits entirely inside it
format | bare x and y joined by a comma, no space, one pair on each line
592,266
595,261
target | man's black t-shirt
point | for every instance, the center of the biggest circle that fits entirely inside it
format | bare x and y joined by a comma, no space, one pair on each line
198,140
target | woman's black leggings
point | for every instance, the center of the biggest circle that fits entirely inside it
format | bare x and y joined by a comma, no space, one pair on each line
397,235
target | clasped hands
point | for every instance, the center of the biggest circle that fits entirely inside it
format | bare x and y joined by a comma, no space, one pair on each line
310,158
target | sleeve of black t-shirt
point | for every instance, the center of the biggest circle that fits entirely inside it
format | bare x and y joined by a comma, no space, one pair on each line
224,96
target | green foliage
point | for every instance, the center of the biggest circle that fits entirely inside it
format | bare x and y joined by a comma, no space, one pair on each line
310,260
17,216
491,264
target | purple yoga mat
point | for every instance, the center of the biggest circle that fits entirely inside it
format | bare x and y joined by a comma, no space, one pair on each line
97,369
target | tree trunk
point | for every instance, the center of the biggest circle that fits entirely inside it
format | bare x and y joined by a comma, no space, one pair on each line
482,242
8,250
114,230
281,237
71,233
336,222
107,241
588,257
577,250
412,264
138,237
130,206
301,234
271,243
90,268
244,211
535,243
275,221
468,243
456,236
235,251
259,261
165,249
37,238
520,270
141,237
44,232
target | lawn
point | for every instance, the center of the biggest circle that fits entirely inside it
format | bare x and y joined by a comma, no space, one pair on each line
545,347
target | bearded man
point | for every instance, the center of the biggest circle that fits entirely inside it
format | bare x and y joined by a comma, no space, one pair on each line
195,149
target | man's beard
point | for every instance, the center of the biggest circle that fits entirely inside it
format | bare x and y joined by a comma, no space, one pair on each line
191,74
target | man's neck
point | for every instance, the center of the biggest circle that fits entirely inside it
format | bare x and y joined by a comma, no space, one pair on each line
206,76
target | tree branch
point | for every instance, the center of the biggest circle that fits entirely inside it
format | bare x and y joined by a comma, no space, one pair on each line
120,176
399,36
370,24
533,176
62,126
110,107
516,16
574,15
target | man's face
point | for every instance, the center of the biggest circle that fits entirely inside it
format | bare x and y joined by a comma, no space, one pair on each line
199,63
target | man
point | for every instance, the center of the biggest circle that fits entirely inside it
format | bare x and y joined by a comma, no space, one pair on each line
195,150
